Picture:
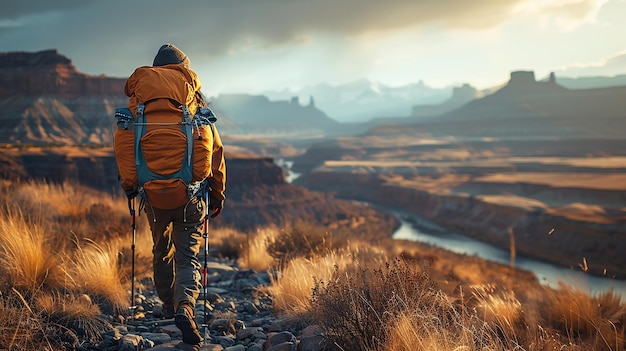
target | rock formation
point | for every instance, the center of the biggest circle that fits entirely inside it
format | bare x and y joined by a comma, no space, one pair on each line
51,74
460,96
45,100
256,193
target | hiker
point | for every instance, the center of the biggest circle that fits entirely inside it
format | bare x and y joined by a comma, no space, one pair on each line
153,148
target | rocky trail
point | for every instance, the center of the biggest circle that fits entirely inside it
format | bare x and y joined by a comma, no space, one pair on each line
239,318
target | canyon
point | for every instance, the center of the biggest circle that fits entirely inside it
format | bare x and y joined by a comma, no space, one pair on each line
535,169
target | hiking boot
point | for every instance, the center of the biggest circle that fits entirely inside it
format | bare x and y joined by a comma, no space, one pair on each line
184,320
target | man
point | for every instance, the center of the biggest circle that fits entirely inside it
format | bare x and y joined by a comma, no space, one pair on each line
176,225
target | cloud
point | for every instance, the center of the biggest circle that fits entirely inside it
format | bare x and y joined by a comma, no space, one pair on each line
226,25
610,66
566,14
113,36
16,9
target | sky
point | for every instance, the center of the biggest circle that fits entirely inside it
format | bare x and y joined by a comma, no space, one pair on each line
251,46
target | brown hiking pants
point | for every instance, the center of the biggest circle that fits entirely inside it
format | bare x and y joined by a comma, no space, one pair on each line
177,278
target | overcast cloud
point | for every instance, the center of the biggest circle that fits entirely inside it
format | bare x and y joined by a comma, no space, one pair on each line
114,36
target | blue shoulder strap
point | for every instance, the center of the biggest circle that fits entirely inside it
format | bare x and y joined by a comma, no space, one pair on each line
144,174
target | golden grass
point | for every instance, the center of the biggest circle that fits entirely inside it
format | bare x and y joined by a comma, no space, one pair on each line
254,254
65,254
94,270
20,329
69,310
53,279
292,286
499,310
416,332
26,261
599,319
58,200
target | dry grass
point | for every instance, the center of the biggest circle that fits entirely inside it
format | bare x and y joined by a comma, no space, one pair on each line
293,285
54,281
300,239
598,320
94,270
65,256
255,255
75,314
26,261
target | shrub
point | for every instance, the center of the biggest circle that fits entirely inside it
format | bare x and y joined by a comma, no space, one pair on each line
300,239
357,307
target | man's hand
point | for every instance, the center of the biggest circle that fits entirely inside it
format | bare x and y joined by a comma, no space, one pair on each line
216,206
130,194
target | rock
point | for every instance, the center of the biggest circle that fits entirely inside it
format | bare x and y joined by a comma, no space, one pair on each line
249,308
225,341
130,342
171,330
275,339
157,311
222,326
157,338
313,343
235,348
225,306
247,333
312,339
312,330
286,346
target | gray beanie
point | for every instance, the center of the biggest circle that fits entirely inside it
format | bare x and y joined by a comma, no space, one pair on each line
169,54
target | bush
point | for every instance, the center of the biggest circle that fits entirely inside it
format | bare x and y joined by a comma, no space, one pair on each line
300,239
357,308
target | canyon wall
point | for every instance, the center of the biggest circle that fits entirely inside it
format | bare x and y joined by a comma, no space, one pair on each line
537,233
49,73
257,194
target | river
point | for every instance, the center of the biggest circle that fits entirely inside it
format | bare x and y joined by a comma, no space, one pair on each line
427,232
549,274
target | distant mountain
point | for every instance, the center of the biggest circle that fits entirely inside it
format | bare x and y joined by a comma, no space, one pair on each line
523,96
45,100
526,108
592,82
256,114
364,100
460,96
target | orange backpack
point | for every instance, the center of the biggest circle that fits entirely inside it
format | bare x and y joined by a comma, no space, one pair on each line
164,139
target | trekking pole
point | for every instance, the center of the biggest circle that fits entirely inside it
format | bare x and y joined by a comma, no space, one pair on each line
131,308
205,270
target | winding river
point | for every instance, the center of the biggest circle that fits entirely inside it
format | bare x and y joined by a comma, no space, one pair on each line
415,228
549,274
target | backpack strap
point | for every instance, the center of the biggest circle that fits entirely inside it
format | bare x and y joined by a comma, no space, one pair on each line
124,118
143,172
187,128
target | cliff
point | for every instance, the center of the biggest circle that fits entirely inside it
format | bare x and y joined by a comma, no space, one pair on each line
524,96
45,100
256,192
560,236
460,96
49,73
257,114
